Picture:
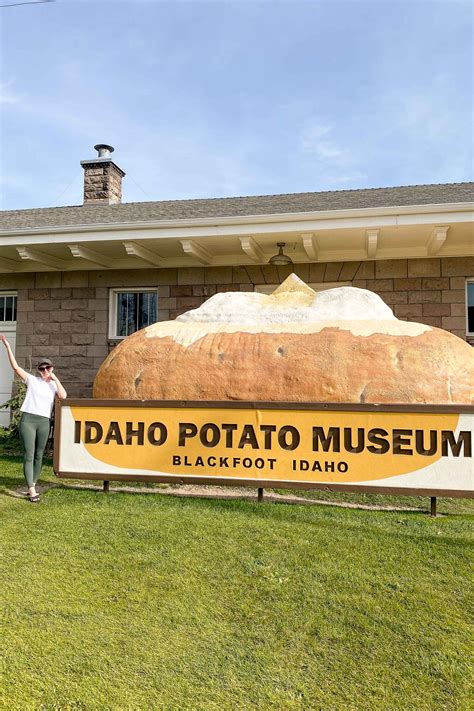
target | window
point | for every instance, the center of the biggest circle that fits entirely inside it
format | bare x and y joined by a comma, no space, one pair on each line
131,310
470,307
8,307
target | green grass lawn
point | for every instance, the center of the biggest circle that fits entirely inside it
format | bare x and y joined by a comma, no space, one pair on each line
133,601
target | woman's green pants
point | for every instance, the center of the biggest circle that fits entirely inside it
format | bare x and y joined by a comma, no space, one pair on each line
34,432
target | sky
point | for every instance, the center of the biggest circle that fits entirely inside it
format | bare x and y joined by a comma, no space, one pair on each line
213,99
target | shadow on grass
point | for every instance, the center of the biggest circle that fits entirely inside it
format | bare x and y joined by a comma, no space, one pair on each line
11,478
11,483
268,508
15,486
250,497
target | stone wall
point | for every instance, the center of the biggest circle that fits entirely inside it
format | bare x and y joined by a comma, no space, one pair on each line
102,182
64,315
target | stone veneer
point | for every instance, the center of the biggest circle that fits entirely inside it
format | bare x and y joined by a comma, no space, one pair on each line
102,182
64,315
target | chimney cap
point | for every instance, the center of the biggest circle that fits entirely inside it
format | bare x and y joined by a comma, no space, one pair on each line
103,149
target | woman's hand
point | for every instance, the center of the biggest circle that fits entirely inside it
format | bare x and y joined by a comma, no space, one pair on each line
22,374
62,394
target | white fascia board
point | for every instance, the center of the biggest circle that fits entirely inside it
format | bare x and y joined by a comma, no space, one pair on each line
114,232
247,225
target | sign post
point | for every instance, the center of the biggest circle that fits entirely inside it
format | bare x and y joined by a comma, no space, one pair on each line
392,449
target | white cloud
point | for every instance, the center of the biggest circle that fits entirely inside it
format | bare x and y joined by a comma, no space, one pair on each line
332,162
7,96
311,136
315,140
328,150
344,179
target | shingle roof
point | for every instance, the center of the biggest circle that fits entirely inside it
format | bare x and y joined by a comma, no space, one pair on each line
237,206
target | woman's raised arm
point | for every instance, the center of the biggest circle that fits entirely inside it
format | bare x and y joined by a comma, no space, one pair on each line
19,371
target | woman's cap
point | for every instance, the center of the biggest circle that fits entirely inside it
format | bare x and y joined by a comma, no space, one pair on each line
44,361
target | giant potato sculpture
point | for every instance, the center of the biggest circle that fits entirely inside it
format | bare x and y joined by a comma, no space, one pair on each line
340,345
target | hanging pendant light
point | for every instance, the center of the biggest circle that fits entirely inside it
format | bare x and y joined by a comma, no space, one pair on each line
280,258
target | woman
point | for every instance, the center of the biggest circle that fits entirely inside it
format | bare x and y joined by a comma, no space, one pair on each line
36,415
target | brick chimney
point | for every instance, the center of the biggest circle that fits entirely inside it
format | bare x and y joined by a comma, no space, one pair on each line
102,178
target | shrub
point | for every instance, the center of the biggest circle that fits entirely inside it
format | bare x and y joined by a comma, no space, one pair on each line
14,403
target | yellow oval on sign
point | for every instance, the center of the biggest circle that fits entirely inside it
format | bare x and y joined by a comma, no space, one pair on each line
285,445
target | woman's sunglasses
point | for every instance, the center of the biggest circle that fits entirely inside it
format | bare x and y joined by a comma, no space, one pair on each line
45,367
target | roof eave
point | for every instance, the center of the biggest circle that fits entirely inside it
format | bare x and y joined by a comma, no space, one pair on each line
315,215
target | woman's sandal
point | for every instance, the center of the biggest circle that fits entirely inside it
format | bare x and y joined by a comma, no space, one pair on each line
34,499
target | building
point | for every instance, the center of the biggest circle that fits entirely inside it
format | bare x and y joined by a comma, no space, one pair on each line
75,280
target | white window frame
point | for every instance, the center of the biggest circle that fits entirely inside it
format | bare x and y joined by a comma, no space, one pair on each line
322,286
470,280
113,298
6,324
8,328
